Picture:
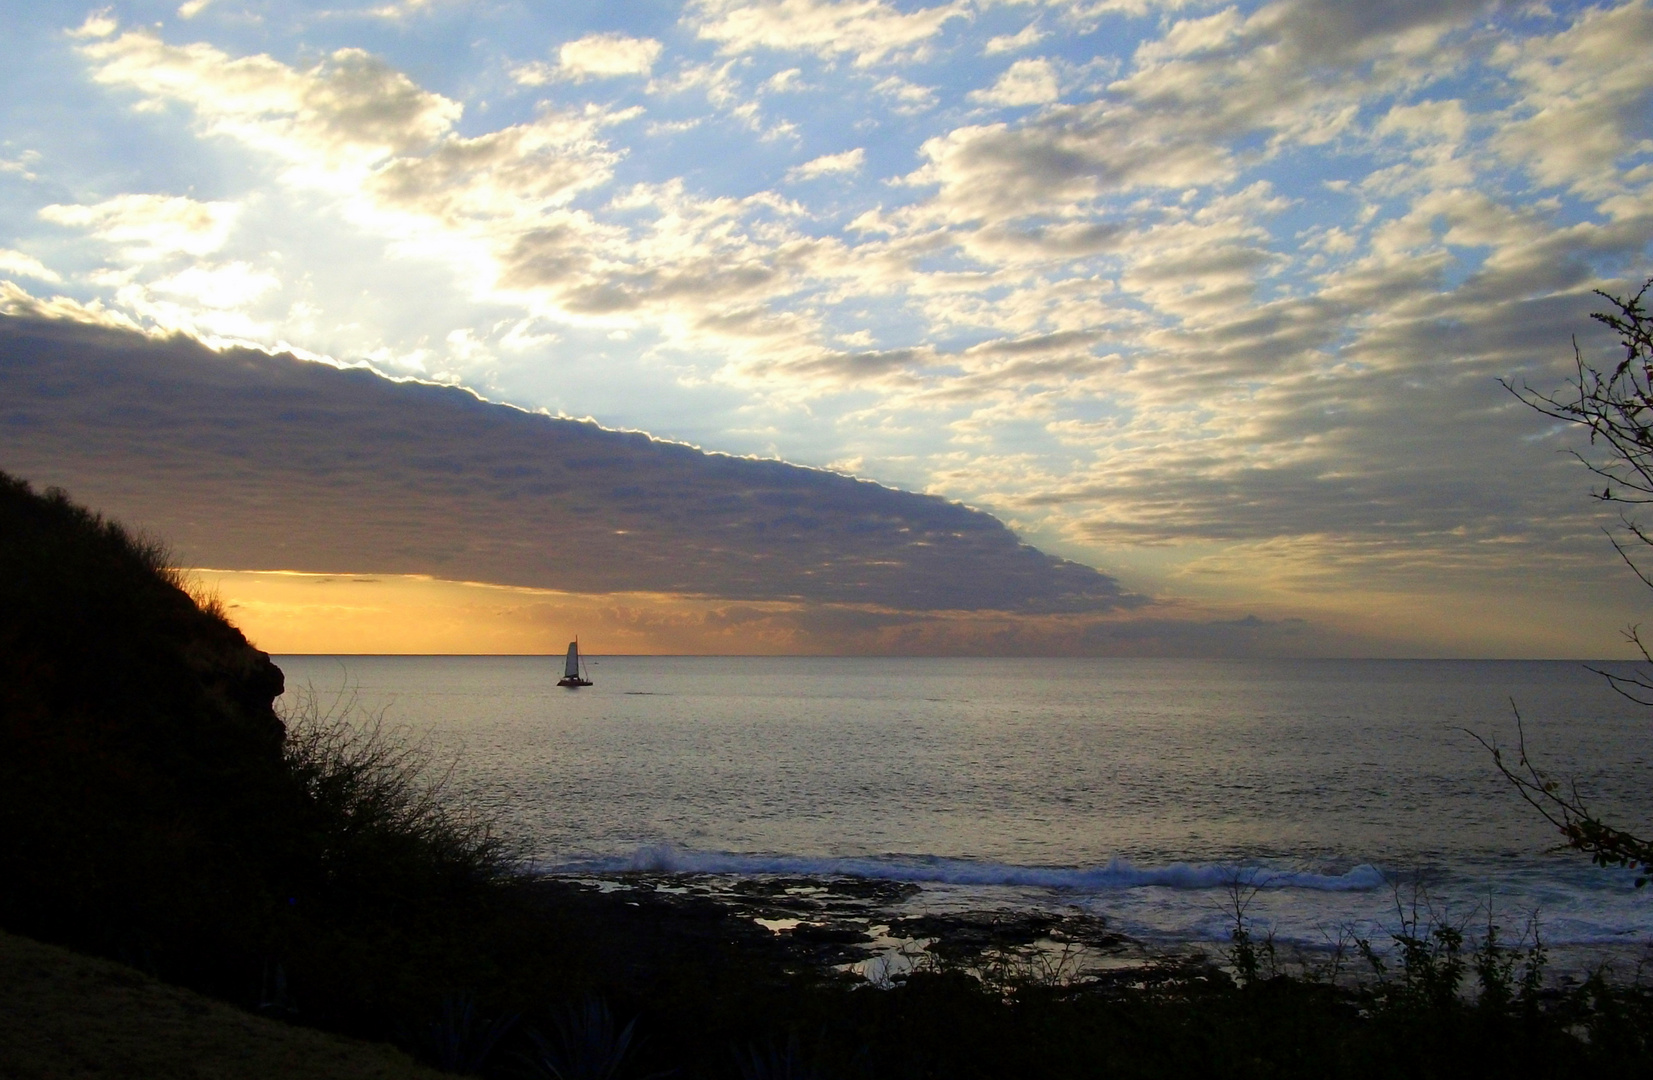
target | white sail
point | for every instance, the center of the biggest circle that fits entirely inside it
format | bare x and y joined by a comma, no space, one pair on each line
571,669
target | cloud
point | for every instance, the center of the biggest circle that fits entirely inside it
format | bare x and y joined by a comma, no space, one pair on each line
250,461
97,24
347,111
353,129
231,285
595,56
850,161
22,165
495,182
150,227
1403,461
784,82
1586,98
15,301
608,54
870,30
1026,82
906,98
395,10
23,265
1293,73
1026,37
492,202
1085,13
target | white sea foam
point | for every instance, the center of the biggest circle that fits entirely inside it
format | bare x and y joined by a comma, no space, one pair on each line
1116,874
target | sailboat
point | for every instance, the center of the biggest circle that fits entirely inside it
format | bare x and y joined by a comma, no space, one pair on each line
571,674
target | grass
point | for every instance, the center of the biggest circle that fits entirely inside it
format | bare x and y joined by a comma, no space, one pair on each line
373,802
64,1016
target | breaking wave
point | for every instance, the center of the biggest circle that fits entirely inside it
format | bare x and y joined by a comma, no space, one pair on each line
1116,874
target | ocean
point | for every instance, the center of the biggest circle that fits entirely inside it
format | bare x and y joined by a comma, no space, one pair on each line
1331,799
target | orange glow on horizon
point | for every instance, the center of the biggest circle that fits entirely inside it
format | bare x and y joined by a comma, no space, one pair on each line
293,612
284,611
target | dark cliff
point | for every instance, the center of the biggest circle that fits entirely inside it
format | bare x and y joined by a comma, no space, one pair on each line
155,808
140,753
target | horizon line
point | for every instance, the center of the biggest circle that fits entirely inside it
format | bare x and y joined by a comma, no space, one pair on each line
973,656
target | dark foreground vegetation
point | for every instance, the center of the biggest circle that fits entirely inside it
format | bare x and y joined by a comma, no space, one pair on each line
67,1016
1615,405
155,810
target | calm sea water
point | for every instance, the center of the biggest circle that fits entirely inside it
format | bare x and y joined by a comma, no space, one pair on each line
1140,790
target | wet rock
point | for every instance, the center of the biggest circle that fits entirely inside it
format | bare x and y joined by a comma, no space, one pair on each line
829,935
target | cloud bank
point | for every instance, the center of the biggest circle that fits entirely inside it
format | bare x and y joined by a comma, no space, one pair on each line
251,461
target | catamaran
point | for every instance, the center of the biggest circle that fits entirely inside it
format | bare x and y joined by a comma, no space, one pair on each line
571,671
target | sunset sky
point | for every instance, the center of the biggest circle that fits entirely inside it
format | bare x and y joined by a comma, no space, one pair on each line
1207,302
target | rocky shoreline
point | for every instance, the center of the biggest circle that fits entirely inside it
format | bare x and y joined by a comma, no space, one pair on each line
871,930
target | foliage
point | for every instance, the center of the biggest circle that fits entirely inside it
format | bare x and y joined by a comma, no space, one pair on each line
1616,407
1565,808
778,1061
374,805
460,1039
587,1044
1433,962
1252,961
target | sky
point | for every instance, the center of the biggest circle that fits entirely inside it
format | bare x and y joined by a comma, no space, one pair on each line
1211,300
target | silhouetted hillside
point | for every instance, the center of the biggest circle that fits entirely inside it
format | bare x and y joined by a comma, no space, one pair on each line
154,809
141,754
